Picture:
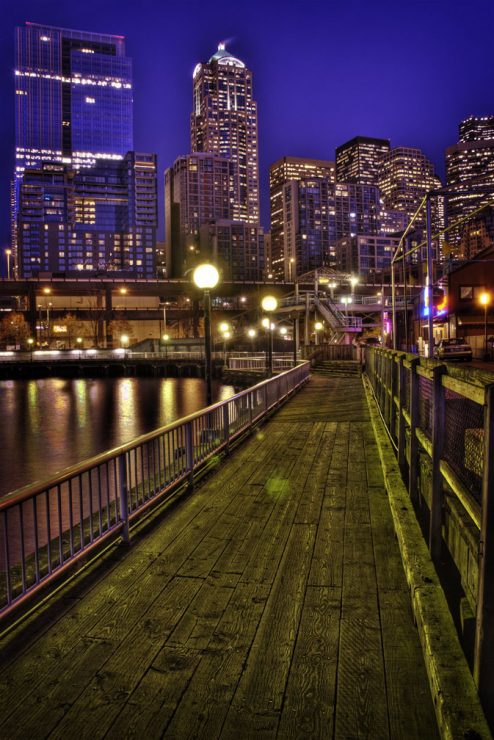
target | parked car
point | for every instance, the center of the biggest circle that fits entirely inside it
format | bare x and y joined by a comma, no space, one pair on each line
453,349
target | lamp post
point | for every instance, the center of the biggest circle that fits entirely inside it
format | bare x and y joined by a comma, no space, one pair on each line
353,283
206,277
485,299
78,341
269,304
166,339
48,323
30,342
124,341
8,253
317,328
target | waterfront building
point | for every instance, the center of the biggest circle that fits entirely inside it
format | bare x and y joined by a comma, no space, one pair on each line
97,220
359,160
469,173
281,172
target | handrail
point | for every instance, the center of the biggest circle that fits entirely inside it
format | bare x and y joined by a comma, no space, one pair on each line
48,525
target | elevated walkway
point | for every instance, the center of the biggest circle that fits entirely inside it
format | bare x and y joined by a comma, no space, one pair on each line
271,602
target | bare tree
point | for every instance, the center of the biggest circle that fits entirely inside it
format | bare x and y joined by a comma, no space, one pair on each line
14,329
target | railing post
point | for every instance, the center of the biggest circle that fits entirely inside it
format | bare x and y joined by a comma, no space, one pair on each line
401,419
393,384
413,469
484,632
266,397
124,497
189,453
226,427
438,407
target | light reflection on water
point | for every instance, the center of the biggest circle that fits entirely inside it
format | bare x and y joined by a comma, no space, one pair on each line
47,425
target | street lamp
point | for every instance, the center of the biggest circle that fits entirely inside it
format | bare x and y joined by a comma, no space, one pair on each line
206,277
269,304
8,252
251,333
166,339
226,337
317,326
30,342
78,342
353,283
485,299
290,268
48,323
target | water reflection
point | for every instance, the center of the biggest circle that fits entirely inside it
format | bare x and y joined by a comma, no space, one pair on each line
47,425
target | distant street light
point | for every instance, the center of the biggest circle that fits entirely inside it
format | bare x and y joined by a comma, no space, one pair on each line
166,339
485,299
8,252
30,342
269,304
205,277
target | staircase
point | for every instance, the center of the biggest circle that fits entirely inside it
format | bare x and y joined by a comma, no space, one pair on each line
338,368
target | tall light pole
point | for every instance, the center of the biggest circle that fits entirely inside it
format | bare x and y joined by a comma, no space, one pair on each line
205,277
485,299
269,304
48,323
8,253
317,328
251,333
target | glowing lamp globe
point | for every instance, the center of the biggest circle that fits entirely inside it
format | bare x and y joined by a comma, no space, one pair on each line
318,326
206,276
269,303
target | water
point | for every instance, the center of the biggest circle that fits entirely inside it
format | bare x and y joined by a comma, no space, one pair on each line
47,425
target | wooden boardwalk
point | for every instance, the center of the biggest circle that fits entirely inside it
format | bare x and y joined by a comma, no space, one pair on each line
269,604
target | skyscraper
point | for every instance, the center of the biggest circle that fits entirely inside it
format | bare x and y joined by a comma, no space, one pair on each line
212,194
469,172
74,116
405,176
282,172
73,97
224,122
359,160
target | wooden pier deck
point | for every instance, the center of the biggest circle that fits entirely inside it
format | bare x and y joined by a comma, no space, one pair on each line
271,603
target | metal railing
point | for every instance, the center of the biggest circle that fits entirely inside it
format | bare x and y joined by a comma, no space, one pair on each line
440,419
258,362
48,526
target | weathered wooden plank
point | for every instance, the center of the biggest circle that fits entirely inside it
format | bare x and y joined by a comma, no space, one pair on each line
203,706
261,688
308,707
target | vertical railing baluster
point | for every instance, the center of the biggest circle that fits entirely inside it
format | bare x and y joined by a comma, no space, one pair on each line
48,528
81,512
60,528
189,453
6,551
226,427
100,502
90,491
401,418
37,573
123,493
23,548
71,520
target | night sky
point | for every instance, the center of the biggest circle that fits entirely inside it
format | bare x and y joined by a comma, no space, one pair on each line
324,72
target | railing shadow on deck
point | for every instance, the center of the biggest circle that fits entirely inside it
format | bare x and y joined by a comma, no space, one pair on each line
440,420
46,527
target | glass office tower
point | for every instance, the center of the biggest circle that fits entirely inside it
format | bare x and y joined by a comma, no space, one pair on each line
73,97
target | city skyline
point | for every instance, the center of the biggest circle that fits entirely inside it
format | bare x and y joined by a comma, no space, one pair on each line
296,104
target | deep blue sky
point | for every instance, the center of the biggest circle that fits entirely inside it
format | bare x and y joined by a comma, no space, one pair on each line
407,70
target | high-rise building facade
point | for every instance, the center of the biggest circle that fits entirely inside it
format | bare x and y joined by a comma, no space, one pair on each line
224,122
359,160
199,189
101,219
469,173
236,247
406,175
74,149
282,172
357,209
366,255
308,225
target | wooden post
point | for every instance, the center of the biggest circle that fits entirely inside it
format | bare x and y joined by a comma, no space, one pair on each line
124,499
401,419
484,633
438,408
394,385
413,470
